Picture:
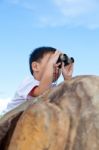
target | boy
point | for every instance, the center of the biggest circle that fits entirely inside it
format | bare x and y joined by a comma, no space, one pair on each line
45,71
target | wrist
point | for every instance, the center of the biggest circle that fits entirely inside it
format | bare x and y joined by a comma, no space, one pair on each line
67,77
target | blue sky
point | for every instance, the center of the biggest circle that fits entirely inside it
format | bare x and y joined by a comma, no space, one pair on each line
71,26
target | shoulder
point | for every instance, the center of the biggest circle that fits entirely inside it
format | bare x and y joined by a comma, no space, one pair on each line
26,86
28,81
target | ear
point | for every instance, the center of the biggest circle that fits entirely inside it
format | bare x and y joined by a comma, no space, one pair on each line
35,66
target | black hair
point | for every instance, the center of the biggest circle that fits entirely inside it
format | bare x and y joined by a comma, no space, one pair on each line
38,53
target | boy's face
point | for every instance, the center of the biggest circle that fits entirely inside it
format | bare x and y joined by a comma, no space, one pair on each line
42,65
56,73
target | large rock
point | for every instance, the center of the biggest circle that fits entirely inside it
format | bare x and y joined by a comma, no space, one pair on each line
66,118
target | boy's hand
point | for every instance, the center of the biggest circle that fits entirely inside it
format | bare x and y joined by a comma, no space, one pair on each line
67,71
54,57
52,67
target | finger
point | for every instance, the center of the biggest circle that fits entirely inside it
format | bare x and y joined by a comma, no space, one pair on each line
57,53
69,66
55,56
63,65
57,64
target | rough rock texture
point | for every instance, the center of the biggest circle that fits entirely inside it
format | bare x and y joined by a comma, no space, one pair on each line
66,118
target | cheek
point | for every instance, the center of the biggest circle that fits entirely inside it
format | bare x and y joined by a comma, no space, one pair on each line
42,69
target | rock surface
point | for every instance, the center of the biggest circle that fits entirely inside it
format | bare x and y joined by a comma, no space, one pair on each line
66,118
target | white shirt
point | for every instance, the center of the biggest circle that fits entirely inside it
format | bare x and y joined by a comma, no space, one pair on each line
22,92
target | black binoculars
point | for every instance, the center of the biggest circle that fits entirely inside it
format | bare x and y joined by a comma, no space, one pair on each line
64,58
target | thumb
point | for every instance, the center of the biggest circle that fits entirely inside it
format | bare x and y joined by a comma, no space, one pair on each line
63,65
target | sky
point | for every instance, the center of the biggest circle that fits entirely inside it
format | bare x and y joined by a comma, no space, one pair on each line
71,26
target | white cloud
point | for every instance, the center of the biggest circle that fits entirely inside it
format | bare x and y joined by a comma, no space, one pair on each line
13,1
79,12
74,8
69,13
27,4
3,104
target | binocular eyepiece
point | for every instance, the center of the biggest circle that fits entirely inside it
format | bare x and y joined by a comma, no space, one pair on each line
64,58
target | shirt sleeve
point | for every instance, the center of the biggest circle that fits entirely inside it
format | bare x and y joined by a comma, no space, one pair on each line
27,85
21,94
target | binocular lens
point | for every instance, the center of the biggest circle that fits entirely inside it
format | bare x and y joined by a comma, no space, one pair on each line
64,58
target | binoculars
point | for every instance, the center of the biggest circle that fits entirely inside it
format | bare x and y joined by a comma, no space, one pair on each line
64,58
